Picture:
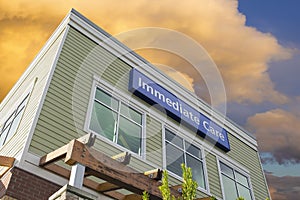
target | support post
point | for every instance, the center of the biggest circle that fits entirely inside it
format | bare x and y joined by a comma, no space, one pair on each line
77,175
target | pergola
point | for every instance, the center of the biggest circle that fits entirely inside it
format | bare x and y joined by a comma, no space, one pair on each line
113,172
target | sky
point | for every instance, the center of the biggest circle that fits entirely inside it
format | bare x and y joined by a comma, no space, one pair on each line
254,43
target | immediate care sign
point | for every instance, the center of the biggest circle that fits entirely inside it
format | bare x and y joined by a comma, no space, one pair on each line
153,93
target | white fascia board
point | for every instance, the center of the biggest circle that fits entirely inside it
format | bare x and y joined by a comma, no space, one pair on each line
63,27
107,41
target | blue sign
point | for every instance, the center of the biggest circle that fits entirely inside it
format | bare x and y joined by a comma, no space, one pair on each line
153,93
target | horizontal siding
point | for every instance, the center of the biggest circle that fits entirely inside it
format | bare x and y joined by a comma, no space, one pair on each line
154,141
65,108
248,157
40,71
63,114
213,174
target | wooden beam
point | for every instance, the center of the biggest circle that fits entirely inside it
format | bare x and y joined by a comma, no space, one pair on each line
155,174
106,187
132,197
99,165
58,170
123,158
115,195
6,161
112,171
54,156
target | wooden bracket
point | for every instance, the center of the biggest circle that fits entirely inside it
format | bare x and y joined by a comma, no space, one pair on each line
6,162
116,174
123,158
155,174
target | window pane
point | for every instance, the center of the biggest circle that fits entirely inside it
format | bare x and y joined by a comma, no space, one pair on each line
103,121
197,170
131,114
22,105
229,188
174,159
244,192
174,139
3,136
9,120
195,151
226,170
14,126
106,99
129,135
241,179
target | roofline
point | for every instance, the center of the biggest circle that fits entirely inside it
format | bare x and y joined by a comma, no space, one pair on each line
93,25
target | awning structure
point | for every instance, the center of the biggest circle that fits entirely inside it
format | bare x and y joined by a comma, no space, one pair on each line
7,163
113,172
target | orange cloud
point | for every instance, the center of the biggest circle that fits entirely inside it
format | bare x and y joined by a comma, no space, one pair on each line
283,188
241,53
277,131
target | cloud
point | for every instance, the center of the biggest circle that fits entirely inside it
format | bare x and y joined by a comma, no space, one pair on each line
277,132
242,53
283,188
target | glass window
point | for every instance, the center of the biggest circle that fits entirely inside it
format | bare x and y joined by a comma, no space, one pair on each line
234,184
12,123
116,121
179,151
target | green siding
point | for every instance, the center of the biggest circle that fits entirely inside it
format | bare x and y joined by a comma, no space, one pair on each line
248,157
64,111
213,174
154,141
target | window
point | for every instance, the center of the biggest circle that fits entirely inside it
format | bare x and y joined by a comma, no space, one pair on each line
179,151
11,124
116,121
235,184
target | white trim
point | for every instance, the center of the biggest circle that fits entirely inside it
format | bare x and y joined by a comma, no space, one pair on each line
31,164
27,93
98,83
43,97
205,170
144,136
77,175
203,159
233,164
266,182
239,169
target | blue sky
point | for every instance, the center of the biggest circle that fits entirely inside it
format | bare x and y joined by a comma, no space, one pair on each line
280,18
254,43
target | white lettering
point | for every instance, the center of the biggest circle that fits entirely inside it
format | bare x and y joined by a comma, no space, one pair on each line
159,95
169,102
211,130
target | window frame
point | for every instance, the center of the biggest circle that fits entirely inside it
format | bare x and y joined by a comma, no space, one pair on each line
236,168
11,116
122,99
184,136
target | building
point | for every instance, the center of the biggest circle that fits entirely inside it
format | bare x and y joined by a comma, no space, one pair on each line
81,122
